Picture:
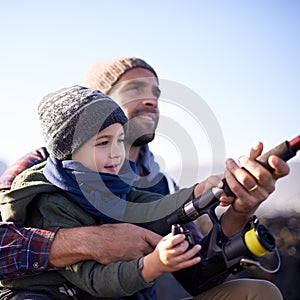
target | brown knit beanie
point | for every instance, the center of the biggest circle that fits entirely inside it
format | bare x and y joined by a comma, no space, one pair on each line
104,75
72,115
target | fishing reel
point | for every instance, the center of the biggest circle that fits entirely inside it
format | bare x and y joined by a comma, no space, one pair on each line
245,249
249,247
222,256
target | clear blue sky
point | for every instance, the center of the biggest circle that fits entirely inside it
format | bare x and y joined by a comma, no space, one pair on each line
241,57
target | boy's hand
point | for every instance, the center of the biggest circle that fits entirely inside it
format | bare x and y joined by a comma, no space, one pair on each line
170,255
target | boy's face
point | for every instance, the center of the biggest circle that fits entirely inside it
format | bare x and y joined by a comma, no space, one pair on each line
104,152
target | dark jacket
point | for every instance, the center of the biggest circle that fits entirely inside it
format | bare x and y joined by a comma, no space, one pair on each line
34,201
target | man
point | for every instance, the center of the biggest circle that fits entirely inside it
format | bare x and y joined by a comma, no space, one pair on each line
133,83
132,78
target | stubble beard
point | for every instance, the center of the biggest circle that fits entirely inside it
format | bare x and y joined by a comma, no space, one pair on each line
137,137
139,133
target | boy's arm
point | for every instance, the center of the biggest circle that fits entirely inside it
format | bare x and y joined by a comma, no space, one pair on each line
119,278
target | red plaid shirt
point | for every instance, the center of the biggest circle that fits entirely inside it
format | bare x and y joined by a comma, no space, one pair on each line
25,162
24,251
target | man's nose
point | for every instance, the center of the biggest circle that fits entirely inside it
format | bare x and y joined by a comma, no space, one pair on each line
150,102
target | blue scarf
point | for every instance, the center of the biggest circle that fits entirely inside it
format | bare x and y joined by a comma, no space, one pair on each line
101,194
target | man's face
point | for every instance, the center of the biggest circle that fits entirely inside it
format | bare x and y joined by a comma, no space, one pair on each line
137,92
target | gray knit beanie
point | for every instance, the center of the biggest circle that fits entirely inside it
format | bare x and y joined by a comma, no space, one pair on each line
72,115
104,75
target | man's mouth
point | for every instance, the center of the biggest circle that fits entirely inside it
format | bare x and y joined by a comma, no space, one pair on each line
147,117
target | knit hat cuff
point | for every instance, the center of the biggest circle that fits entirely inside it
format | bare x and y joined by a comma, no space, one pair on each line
104,75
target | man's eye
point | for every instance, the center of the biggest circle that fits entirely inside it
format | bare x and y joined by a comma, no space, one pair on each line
132,88
156,93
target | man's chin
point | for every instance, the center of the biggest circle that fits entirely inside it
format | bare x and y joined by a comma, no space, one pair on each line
143,140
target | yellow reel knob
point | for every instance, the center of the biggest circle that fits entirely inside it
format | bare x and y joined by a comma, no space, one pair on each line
253,244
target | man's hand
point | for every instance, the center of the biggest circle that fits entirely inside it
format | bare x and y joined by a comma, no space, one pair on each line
106,243
252,184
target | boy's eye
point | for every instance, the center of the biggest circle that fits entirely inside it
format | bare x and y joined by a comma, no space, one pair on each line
102,143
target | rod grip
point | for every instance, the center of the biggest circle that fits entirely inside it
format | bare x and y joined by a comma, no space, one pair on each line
283,150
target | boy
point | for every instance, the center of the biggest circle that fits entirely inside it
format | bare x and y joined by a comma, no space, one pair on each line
79,153
88,181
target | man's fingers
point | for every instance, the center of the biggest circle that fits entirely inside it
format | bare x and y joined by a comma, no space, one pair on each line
152,238
240,175
281,168
256,150
259,175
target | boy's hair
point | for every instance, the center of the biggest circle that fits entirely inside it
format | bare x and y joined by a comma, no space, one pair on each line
72,115
105,74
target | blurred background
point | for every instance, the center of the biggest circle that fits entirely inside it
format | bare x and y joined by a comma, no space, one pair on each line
241,59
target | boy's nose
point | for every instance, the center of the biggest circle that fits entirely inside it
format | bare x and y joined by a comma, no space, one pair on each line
115,152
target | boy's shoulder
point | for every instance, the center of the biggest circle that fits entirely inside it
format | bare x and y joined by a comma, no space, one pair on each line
30,176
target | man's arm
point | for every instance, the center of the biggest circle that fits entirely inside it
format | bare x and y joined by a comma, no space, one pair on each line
27,251
24,251
105,243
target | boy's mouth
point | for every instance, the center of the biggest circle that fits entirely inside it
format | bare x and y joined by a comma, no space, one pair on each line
112,168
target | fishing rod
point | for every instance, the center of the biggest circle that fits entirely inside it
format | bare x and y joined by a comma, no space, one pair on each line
209,200
230,255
